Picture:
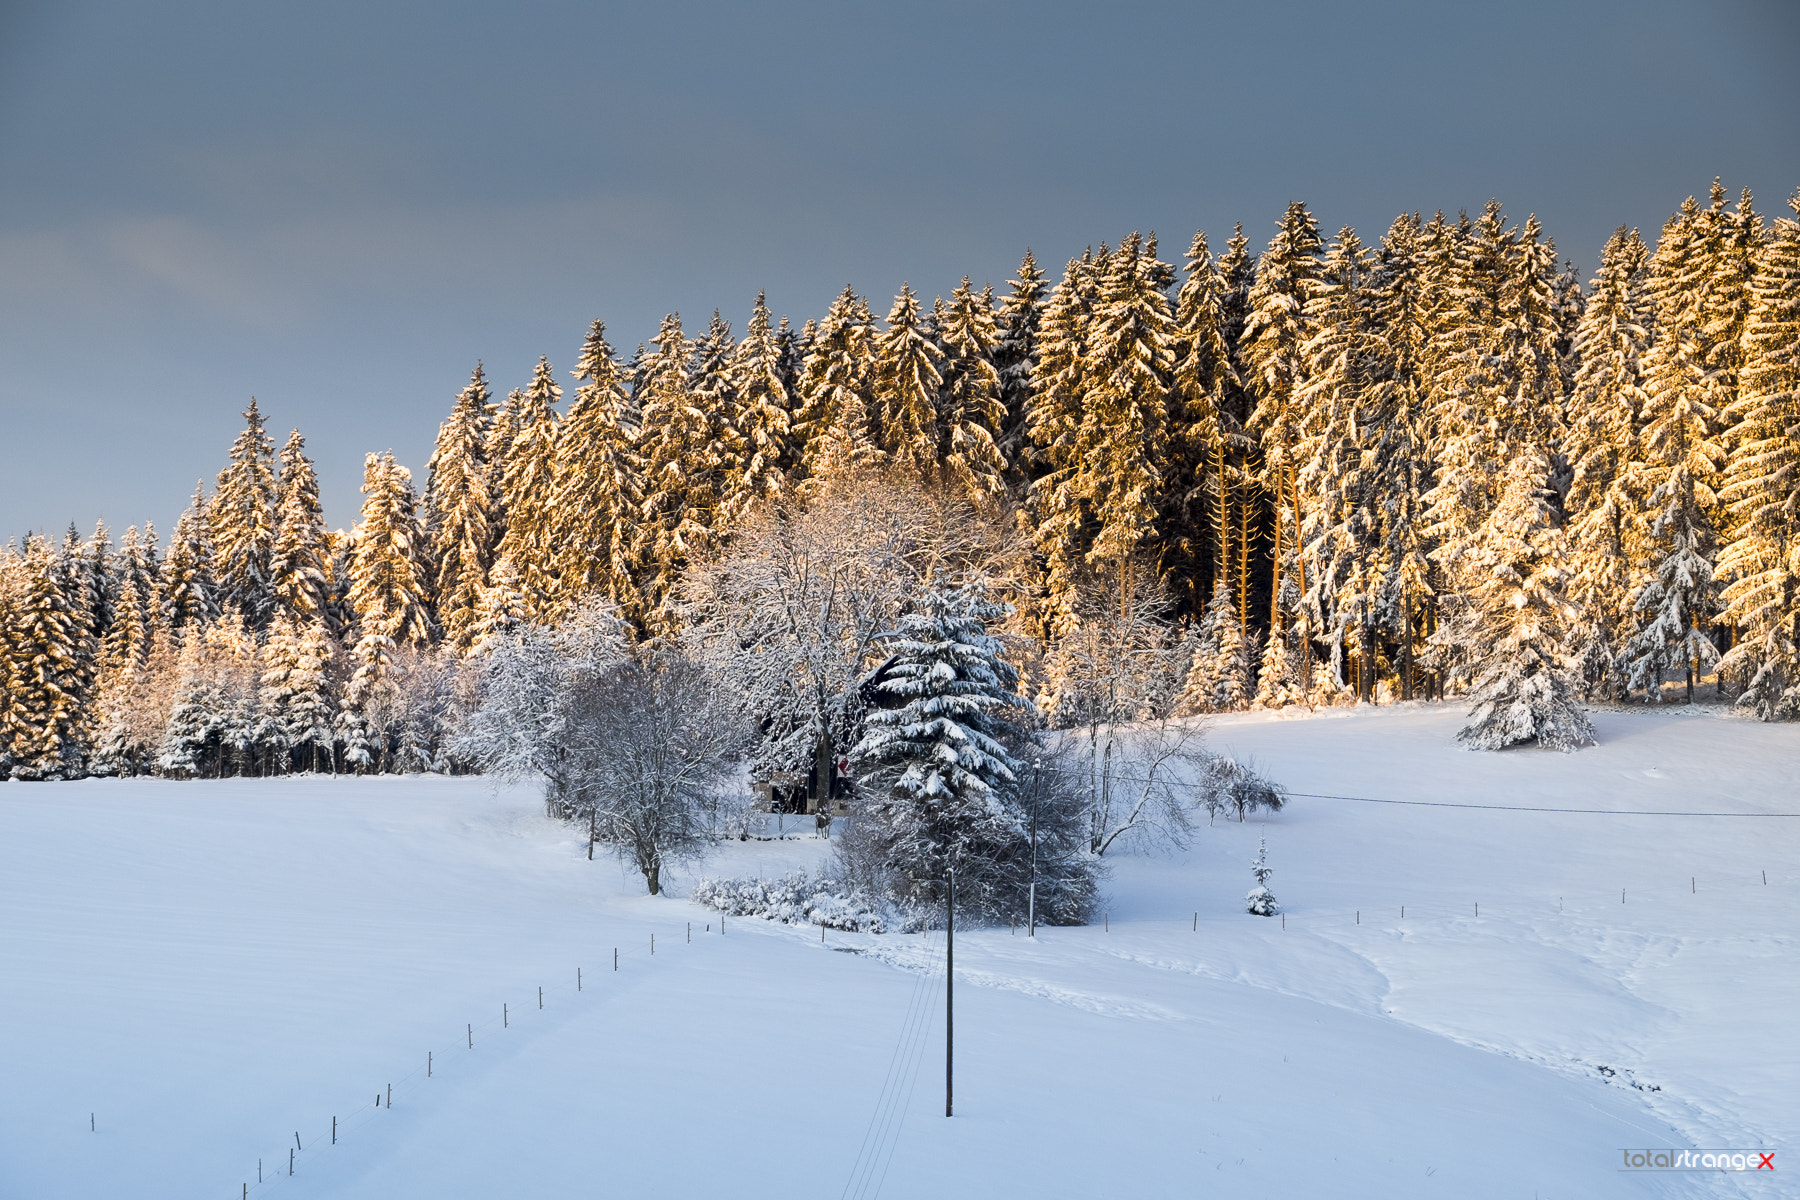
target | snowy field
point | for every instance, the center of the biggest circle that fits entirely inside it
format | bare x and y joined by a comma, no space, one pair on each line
209,968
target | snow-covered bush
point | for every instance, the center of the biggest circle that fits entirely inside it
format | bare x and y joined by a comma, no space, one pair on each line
794,899
1261,901
1231,788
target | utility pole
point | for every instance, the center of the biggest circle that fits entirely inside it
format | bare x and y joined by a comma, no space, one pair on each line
949,990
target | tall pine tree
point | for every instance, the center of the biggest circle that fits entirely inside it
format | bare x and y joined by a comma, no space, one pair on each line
1761,490
459,509
298,571
242,522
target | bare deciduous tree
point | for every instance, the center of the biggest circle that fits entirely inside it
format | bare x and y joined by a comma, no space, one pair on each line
1139,781
649,743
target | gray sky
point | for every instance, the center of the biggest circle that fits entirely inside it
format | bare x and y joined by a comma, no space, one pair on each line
339,207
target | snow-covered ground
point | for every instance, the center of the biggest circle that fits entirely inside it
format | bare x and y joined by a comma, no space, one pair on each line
209,968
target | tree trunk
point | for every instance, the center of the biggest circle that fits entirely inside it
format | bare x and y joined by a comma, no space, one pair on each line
824,764
1406,651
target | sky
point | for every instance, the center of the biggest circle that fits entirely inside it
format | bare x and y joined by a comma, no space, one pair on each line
338,208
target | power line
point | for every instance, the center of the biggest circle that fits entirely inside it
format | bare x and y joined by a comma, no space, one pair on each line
1174,780
1604,812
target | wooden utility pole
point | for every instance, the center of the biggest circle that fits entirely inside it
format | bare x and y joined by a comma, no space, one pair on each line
949,993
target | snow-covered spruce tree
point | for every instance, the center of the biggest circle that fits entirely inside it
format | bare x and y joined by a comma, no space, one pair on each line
527,477
12,592
939,780
712,388
1500,394
1340,495
1518,623
680,475
971,414
189,594
595,497
298,579
1399,468
502,608
1015,357
95,567
121,664
459,518
1272,349
388,593
184,750
135,696
84,571
44,696
1607,528
1761,492
214,712
906,389
1196,516
502,427
835,422
764,407
1221,671
1054,428
139,562
1261,901
1120,443
295,698
1463,271
1682,453
233,663
242,522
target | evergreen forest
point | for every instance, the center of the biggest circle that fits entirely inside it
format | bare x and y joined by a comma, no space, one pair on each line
1325,471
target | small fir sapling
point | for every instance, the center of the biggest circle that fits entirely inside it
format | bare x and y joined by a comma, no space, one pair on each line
1261,901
